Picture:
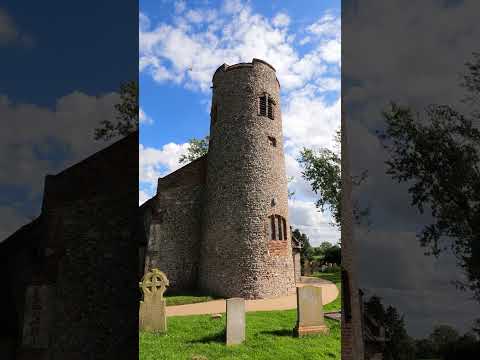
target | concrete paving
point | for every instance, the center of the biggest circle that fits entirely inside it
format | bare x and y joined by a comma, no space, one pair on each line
329,294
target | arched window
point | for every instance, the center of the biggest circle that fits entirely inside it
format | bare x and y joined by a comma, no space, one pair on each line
266,106
278,228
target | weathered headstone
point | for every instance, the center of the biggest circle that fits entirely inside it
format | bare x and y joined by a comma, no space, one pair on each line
152,309
310,318
235,321
38,316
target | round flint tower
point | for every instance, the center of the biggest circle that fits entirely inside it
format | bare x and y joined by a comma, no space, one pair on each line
247,247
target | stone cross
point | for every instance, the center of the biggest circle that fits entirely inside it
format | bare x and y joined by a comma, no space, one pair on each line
310,318
235,321
152,308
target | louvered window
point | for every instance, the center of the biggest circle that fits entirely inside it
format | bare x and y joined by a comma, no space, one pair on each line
266,106
263,105
278,228
270,108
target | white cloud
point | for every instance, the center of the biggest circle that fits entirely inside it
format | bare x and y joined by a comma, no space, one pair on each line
238,35
306,217
281,20
143,196
33,129
155,163
327,26
309,121
180,6
144,118
41,141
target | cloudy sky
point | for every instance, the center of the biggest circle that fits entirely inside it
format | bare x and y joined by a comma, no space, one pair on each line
413,53
182,43
59,79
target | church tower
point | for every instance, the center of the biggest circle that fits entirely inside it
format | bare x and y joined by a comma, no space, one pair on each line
246,244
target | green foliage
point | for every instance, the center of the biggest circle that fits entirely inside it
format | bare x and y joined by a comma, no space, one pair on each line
438,156
196,149
398,345
268,336
446,343
127,114
333,255
322,171
306,252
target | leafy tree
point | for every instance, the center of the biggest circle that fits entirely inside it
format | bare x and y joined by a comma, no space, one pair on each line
127,114
442,336
196,149
322,169
437,155
333,255
398,345
306,252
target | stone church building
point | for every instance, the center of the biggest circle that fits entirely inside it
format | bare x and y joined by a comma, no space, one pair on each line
220,223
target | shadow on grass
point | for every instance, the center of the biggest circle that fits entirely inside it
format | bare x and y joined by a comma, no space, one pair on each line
215,338
282,332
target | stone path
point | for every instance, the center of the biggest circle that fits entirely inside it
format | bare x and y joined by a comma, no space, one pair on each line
329,294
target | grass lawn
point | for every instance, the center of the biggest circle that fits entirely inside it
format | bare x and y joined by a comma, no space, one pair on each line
190,298
269,336
334,277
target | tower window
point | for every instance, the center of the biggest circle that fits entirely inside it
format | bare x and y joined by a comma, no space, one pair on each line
272,227
263,105
278,228
272,141
270,108
266,106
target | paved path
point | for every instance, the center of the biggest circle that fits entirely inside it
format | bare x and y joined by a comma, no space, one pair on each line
329,293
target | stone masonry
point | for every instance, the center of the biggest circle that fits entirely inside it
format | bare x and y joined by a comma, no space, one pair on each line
221,223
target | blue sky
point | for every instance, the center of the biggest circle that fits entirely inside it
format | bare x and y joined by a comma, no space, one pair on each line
183,42
62,65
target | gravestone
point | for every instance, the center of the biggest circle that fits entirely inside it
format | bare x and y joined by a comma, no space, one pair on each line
310,319
235,321
152,309
38,317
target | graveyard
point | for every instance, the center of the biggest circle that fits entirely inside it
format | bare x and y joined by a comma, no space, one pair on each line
268,334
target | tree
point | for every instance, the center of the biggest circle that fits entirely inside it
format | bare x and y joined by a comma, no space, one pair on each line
333,255
306,252
442,337
437,154
127,114
398,345
196,149
322,169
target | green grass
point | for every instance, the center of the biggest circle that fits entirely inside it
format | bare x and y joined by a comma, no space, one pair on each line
334,277
190,297
269,336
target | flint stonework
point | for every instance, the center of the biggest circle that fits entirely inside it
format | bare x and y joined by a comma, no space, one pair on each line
211,221
38,316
